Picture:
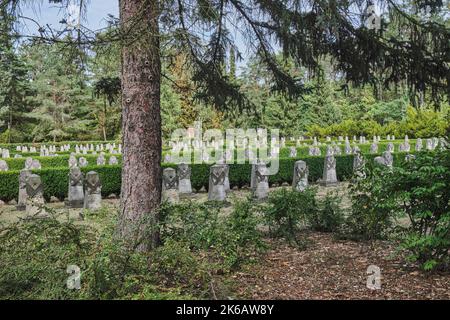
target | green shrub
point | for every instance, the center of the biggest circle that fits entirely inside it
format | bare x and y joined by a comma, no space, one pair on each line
177,266
36,253
13,135
329,217
231,238
191,223
423,123
242,239
9,185
286,210
417,124
372,215
171,271
420,190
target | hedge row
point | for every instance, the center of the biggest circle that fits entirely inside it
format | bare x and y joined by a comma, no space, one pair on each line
12,146
365,148
56,180
62,159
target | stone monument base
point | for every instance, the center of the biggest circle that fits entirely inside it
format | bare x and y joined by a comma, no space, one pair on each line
328,183
35,208
93,202
74,204
171,196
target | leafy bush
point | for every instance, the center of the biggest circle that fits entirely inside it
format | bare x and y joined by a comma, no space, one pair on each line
416,189
231,239
191,223
372,215
286,210
423,123
36,253
416,124
420,190
242,238
329,217
176,266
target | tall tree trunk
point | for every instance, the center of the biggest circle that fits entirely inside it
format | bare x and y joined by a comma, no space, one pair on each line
9,127
141,122
104,133
104,120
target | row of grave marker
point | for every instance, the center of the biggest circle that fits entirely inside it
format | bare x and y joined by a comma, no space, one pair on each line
197,144
52,150
34,164
431,144
85,191
177,182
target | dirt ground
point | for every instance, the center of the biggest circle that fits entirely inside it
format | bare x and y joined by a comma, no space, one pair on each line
326,269
332,269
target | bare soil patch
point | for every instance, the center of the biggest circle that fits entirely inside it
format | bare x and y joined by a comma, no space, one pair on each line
333,269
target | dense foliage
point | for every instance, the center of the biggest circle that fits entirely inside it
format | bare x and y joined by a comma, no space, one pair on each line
416,191
201,227
198,245
413,123
287,210
109,269
420,191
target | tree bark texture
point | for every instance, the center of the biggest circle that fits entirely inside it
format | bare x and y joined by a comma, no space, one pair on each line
141,121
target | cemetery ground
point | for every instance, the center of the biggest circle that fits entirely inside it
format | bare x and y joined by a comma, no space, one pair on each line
323,267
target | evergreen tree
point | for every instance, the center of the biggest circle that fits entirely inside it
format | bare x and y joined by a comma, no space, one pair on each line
15,88
232,64
108,90
63,97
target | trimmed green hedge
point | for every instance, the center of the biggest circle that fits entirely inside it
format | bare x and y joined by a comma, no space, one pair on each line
284,152
60,161
56,181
